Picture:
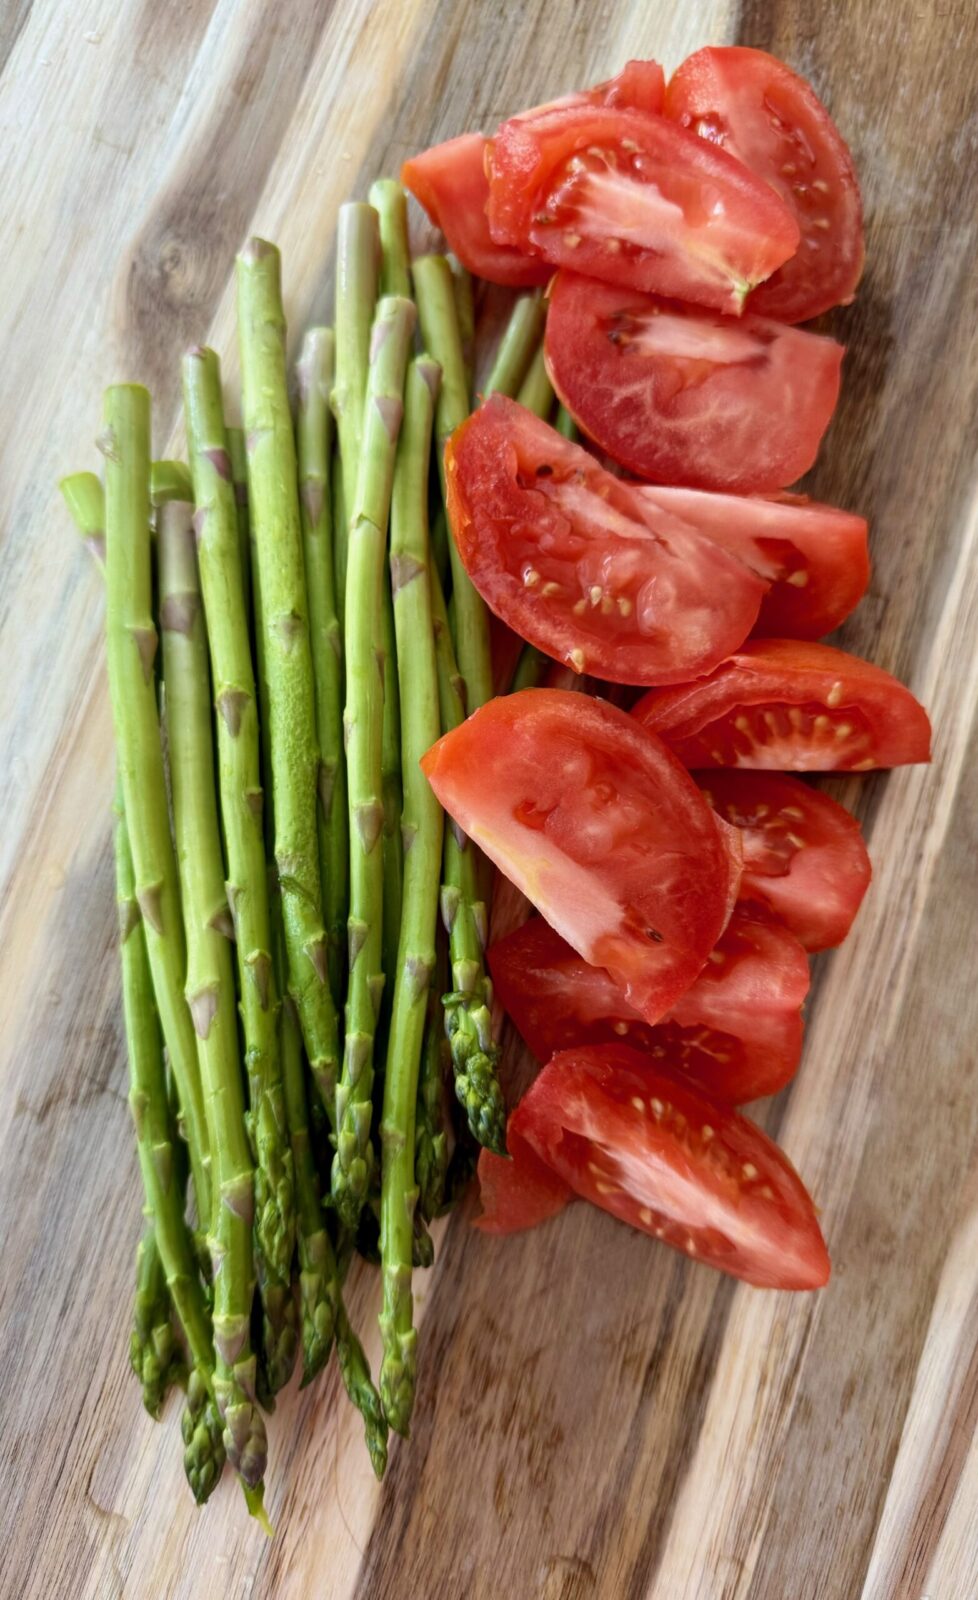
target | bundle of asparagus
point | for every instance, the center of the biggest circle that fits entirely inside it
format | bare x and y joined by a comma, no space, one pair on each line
280,859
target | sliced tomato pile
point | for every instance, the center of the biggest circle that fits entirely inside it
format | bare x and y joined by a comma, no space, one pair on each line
570,558
633,1138
781,703
737,1031
600,827
682,395
679,870
803,854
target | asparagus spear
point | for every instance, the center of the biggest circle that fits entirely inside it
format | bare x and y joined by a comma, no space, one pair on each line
132,642
431,1139
169,480
154,1354
314,436
222,584
238,451
355,1372
210,985
390,203
530,669
422,825
440,333
465,313
85,499
363,718
518,344
357,267
274,505
565,424
536,390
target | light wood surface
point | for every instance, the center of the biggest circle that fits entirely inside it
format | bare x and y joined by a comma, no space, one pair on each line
597,1419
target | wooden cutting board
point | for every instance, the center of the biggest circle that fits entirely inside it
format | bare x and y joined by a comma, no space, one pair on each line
596,1417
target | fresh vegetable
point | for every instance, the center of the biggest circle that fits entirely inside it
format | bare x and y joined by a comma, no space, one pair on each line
450,182
752,105
815,558
736,1032
634,199
781,703
600,828
804,856
519,1190
686,396
666,1158
567,556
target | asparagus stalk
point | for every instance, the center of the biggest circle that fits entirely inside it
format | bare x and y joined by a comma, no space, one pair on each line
531,668
210,985
154,1354
431,1138
156,1144
222,583
85,499
132,642
566,425
422,826
274,506
357,268
169,480
355,1372
363,719
465,313
440,333
314,437
238,451
536,390
390,203
518,344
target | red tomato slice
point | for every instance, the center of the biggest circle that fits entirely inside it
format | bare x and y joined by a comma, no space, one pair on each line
518,1191
779,703
804,856
815,558
737,1032
664,1157
752,105
598,825
632,198
570,558
450,181
686,396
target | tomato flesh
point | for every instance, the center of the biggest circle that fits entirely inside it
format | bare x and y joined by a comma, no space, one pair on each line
804,855
600,827
752,105
681,395
450,182
815,558
573,560
787,704
519,1190
737,1031
675,1163
631,198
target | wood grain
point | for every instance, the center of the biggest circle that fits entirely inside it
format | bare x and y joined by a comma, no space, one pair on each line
597,1420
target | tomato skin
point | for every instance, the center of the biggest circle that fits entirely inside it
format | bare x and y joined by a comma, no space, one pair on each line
761,709
736,1032
450,182
804,855
675,1163
600,827
632,198
571,559
519,1190
815,557
681,395
755,107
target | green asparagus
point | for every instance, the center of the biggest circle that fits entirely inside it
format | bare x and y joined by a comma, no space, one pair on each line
222,585
154,1353
210,985
169,480
465,314
422,825
238,451
566,425
314,438
274,508
431,1123
355,1372
518,344
363,718
530,669
390,203
536,390
357,269
132,644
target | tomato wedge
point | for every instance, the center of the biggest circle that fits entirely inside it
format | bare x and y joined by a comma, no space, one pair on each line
751,104
686,396
450,181
779,703
639,1142
737,1032
815,558
571,559
519,1190
632,198
593,819
804,856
